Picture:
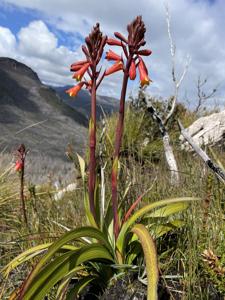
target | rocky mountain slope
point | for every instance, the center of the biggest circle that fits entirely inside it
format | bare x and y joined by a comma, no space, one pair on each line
34,114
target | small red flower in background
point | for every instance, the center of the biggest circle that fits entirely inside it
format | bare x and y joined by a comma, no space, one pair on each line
18,166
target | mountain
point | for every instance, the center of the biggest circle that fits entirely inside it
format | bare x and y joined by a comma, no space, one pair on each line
81,102
34,114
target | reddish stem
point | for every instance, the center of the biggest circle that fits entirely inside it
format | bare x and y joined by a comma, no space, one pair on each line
92,145
118,141
132,207
23,207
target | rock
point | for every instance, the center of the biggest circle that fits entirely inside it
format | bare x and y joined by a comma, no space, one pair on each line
209,130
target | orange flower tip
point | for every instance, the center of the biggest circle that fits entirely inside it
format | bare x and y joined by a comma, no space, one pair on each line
114,68
145,81
77,77
70,92
74,90
80,73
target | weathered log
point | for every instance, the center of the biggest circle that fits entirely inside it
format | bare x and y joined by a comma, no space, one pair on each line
209,130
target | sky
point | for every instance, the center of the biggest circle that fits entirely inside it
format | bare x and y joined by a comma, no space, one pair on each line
47,36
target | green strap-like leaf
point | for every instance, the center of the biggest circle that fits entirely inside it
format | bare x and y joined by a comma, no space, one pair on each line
160,229
89,215
60,267
65,239
46,271
141,212
150,255
29,254
166,211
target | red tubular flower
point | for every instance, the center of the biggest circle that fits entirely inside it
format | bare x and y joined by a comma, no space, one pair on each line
18,166
132,70
81,62
114,42
74,90
114,68
110,55
80,73
145,80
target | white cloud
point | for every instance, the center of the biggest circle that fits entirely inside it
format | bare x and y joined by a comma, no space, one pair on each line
37,40
37,47
7,42
197,28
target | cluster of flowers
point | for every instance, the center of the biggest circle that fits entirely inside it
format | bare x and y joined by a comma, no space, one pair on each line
130,50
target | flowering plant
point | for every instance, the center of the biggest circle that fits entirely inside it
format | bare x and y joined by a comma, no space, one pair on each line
111,242
21,153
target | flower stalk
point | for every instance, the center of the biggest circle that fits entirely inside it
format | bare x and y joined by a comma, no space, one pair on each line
130,47
19,167
92,146
93,51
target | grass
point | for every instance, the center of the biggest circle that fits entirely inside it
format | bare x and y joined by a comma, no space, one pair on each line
185,272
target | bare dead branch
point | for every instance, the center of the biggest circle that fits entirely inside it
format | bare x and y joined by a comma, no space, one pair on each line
177,82
202,95
168,150
213,166
172,46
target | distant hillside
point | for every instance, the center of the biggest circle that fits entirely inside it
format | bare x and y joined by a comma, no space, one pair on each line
82,102
25,101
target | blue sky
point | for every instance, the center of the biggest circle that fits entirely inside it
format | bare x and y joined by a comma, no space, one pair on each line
47,34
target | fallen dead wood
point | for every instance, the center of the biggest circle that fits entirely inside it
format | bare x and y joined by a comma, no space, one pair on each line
212,165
